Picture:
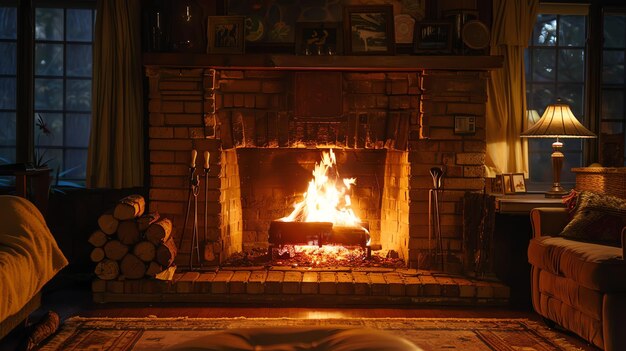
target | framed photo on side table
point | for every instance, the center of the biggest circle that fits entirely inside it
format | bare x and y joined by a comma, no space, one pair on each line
518,183
497,184
369,30
507,184
433,37
226,35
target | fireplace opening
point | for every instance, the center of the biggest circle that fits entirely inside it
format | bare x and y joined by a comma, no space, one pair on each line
315,207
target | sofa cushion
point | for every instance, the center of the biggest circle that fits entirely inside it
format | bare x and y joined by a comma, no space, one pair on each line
594,266
597,218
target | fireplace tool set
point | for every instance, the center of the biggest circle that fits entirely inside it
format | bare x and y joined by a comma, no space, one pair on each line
434,218
192,198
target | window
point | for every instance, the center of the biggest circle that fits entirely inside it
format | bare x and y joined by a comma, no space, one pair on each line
612,113
8,68
559,64
60,88
555,68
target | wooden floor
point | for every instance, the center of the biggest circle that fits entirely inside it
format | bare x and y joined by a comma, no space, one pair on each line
72,297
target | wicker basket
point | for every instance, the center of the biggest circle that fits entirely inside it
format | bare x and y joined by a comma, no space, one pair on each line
604,180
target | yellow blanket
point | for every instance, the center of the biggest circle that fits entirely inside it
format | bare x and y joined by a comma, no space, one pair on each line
29,255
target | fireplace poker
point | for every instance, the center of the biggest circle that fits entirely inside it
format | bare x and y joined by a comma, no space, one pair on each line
434,220
194,181
207,168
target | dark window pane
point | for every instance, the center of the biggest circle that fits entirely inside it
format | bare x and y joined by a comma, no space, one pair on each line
8,23
78,128
7,155
612,104
572,31
611,127
51,133
544,65
51,157
8,58
614,31
49,59
78,95
573,95
80,22
571,65
7,93
612,67
75,164
48,94
545,31
79,60
7,128
48,24
540,96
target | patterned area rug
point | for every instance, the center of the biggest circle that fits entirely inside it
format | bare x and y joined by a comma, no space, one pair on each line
142,334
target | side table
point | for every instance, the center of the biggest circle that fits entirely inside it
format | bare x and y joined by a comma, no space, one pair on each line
39,179
512,234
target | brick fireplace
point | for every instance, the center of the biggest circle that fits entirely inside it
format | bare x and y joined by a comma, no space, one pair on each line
265,125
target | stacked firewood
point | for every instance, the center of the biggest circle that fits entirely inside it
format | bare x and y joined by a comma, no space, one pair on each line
130,244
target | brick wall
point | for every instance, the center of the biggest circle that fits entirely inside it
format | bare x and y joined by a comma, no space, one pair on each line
412,112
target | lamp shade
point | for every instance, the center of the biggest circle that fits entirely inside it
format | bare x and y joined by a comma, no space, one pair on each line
558,121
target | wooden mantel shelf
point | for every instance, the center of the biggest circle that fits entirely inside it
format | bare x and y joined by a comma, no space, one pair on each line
343,63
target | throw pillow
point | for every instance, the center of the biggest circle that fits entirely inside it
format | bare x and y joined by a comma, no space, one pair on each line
598,219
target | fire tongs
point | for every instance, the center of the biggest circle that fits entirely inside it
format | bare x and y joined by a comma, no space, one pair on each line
434,219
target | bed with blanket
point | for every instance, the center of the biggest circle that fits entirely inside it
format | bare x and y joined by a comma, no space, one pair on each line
29,258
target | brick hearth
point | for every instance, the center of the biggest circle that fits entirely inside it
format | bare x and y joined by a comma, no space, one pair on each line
411,112
340,286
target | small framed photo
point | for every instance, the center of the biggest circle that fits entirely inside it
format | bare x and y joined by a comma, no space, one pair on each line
433,37
507,184
318,38
518,183
497,186
226,35
369,30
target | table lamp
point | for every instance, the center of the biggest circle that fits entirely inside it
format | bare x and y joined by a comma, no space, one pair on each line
558,122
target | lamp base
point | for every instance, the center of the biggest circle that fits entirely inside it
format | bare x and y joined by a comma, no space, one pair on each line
556,192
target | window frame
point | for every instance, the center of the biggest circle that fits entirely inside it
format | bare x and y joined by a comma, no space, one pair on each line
25,69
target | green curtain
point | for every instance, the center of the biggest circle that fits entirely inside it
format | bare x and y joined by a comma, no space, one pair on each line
511,29
115,156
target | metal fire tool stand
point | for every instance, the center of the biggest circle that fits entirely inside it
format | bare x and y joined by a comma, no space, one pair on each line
434,219
194,187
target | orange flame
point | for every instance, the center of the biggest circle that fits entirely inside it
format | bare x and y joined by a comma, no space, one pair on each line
326,198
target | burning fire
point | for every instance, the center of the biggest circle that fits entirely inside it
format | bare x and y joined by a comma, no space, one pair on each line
326,198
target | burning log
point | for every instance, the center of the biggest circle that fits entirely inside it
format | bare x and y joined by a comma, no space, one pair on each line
299,233
123,246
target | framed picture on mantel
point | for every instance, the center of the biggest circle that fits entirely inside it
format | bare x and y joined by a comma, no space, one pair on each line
369,30
226,35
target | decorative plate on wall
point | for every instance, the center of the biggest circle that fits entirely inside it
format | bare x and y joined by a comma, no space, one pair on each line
475,35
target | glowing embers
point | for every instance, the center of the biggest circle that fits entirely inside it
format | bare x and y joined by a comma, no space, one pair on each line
324,216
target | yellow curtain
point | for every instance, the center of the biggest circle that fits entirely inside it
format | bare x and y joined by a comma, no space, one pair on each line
512,27
115,156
